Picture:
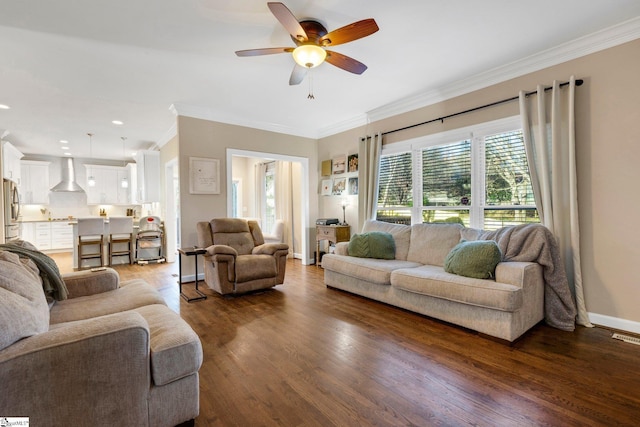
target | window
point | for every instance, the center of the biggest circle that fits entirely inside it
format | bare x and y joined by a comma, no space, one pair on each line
236,199
508,192
269,197
446,182
395,195
475,176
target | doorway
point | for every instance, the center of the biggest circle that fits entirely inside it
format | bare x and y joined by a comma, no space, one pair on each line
172,214
241,179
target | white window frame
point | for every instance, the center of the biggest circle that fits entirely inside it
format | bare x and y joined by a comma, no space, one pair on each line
475,133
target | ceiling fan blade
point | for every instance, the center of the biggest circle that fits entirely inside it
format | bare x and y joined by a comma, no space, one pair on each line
345,62
349,33
288,20
297,75
265,51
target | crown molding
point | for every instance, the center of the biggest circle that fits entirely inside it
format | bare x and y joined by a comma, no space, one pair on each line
344,125
609,37
170,133
600,40
217,116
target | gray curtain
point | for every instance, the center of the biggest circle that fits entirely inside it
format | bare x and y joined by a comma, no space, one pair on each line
548,125
368,165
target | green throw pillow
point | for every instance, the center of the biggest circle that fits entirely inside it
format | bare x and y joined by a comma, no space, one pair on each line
477,259
375,244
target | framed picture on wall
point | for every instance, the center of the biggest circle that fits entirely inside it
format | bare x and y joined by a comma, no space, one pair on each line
339,164
339,186
204,175
325,190
326,168
353,186
352,163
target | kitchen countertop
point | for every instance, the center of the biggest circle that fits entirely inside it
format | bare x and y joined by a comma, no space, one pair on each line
72,220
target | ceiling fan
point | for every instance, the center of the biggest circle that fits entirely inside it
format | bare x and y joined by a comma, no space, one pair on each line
312,39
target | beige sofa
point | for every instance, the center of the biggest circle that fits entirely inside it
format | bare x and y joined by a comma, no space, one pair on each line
415,280
110,354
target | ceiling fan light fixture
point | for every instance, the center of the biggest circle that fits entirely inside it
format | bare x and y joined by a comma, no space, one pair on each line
309,55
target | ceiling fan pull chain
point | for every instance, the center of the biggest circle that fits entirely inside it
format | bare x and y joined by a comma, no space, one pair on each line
310,96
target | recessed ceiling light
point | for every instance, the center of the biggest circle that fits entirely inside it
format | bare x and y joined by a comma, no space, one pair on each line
117,122
67,154
4,107
64,141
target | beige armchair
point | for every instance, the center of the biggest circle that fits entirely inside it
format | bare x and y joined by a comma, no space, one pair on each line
237,259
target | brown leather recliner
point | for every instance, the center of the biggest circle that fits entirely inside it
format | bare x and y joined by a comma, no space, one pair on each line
237,259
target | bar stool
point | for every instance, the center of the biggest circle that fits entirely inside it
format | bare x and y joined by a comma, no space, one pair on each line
120,233
90,233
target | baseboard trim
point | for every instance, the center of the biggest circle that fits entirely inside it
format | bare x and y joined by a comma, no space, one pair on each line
191,278
615,323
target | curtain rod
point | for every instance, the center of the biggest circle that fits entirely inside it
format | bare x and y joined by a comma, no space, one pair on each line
471,110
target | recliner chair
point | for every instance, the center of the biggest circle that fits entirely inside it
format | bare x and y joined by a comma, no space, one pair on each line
237,259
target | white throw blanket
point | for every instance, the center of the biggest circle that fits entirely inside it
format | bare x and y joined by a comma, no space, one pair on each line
535,243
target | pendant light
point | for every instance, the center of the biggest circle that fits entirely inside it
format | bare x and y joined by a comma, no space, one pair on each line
91,180
124,183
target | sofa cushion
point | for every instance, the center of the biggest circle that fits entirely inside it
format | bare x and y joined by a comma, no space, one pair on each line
430,243
401,235
477,259
131,294
253,267
176,351
372,270
375,244
434,281
23,306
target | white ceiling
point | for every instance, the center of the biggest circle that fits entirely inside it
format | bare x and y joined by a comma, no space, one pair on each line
70,67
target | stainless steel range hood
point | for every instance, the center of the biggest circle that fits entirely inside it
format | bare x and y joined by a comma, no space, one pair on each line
68,182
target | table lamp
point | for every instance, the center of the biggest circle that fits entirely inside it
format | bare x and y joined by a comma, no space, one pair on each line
344,204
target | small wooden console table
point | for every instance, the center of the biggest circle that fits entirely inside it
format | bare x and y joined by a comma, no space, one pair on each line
190,252
331,233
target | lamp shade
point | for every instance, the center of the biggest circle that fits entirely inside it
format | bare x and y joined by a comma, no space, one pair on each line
309,55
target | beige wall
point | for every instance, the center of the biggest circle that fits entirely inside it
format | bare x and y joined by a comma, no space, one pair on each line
168,152
328,148
204,138
608,150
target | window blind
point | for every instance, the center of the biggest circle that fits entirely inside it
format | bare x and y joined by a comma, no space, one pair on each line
395,184
446,175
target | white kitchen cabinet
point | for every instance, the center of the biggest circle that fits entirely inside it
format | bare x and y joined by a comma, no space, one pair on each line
11,162
132,168
123,192
34,185
108,188
42,239
61,235
28,232
48,235
148,176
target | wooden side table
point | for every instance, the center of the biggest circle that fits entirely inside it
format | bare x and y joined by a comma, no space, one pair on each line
190,252
331,233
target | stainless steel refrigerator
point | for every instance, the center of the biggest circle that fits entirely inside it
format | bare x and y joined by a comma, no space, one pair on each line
11,210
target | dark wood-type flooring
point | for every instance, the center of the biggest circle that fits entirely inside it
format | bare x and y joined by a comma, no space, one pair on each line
305,355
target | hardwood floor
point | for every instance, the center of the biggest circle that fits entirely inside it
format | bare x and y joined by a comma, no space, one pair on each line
303,354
